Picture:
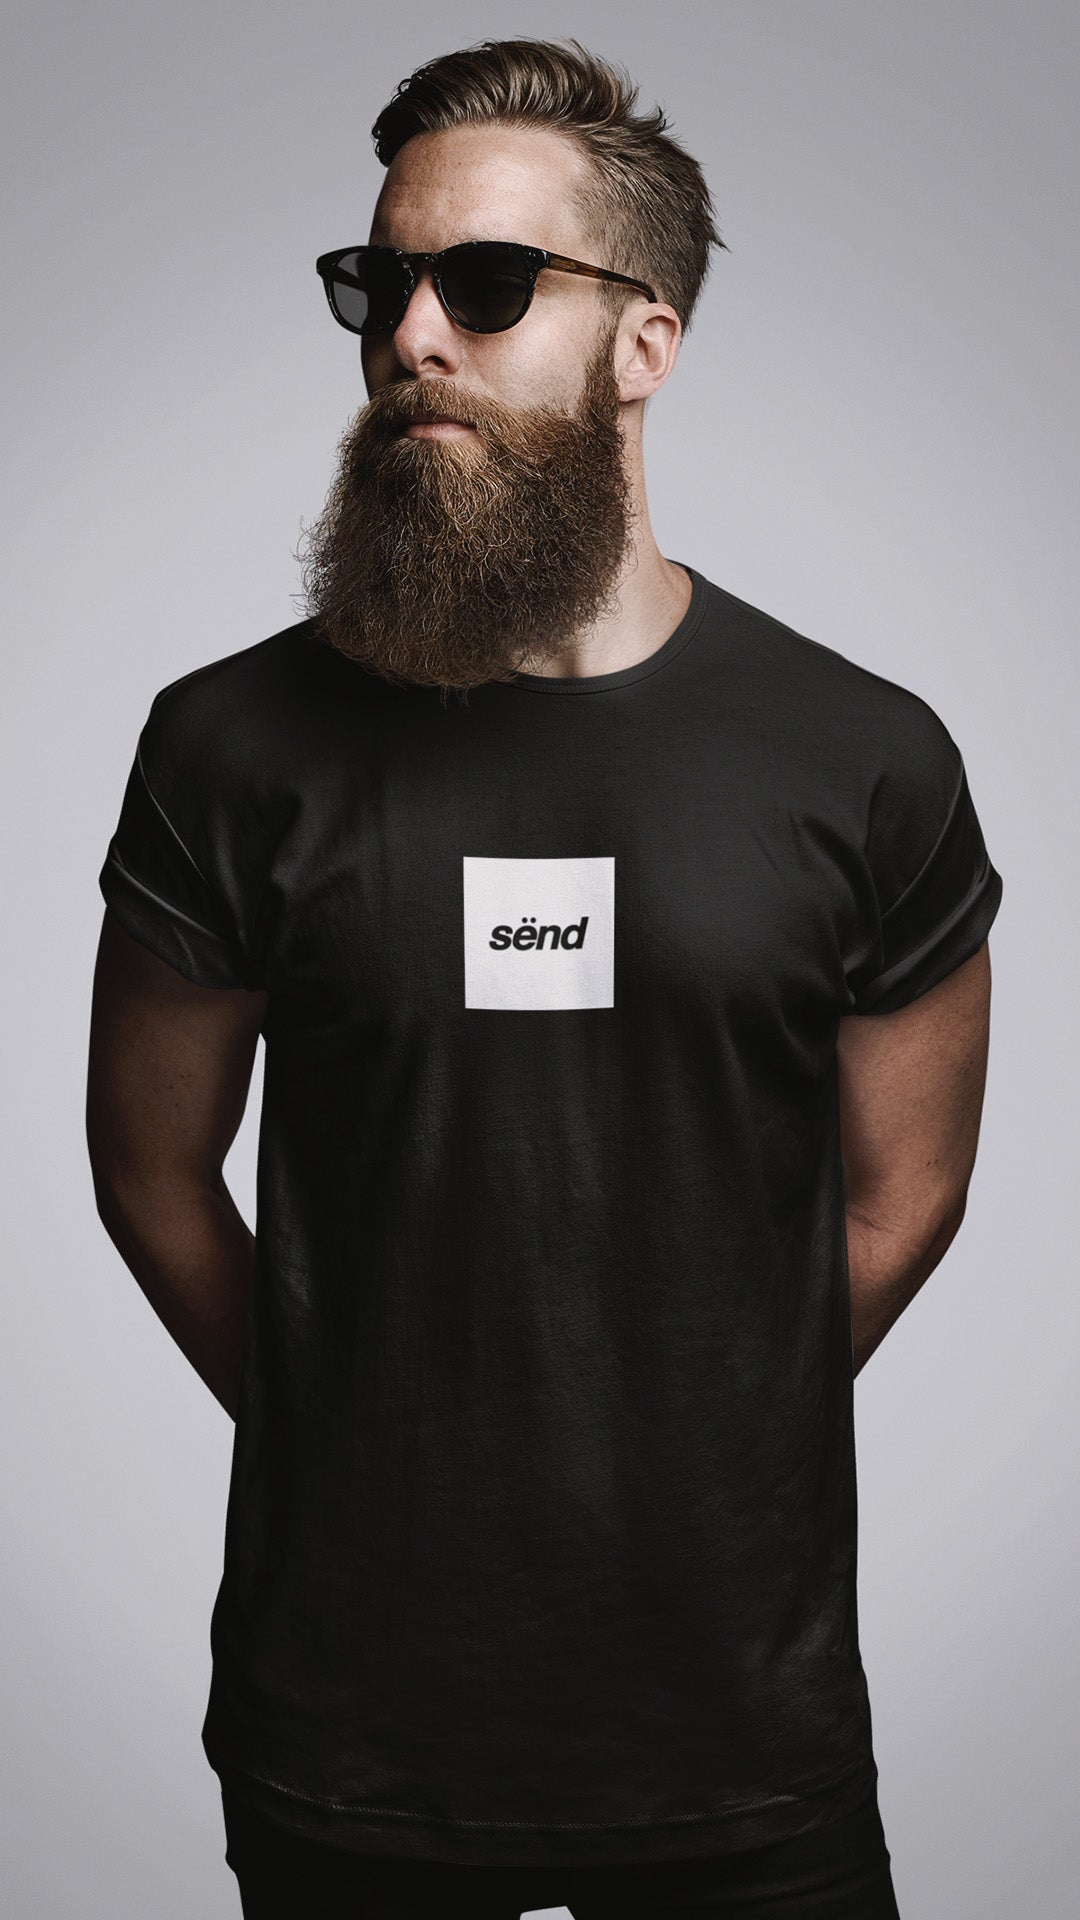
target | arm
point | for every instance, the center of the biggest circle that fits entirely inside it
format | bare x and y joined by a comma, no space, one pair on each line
911,1092
169,1069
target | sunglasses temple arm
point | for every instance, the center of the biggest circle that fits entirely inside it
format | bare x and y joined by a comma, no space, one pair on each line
564,265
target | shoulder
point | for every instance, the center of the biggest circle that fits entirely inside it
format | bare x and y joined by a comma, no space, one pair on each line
235,718
847,713
254,679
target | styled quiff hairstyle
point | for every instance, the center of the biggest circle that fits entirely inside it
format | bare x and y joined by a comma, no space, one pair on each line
645,201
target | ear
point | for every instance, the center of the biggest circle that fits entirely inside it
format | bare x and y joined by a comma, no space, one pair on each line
645,348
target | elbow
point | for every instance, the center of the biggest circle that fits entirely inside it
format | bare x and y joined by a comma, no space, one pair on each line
923,1224
951,1219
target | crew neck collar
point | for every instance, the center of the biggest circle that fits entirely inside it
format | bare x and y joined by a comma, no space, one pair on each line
625,676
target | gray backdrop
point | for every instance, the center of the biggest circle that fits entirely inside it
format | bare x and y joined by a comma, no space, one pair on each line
872,434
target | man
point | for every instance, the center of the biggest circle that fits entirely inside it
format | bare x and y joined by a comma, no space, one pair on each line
621,960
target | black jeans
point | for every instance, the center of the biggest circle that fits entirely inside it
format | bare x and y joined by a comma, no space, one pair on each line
836,1872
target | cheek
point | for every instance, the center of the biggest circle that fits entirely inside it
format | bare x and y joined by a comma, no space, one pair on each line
376,361
528,367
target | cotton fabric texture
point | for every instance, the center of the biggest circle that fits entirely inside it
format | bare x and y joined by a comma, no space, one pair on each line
540,1545
841,1871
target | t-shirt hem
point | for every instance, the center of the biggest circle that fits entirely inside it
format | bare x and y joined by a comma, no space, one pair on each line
755,1820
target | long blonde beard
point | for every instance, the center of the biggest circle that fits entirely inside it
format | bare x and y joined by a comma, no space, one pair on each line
454,562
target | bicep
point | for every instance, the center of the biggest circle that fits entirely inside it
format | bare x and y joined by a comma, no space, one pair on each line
911,1086
170,1065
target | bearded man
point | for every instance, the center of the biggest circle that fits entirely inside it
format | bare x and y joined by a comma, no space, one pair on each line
625,1022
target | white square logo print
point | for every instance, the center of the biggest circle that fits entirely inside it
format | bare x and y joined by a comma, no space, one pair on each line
539,934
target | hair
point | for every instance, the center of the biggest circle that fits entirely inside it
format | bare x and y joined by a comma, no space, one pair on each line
645,201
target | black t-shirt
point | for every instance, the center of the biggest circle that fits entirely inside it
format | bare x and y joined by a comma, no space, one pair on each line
540,1544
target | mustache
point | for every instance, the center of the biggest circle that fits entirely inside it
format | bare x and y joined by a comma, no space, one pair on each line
398,405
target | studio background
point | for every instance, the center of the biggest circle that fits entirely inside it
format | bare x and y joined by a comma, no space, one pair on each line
871,433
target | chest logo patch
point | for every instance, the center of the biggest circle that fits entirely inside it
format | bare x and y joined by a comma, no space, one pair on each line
539,934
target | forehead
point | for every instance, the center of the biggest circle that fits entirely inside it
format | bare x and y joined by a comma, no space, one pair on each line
482,183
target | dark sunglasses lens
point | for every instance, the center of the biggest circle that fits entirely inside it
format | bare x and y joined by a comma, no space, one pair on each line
486,287
368,291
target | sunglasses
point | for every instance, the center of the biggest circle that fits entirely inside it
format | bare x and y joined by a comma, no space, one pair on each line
485,286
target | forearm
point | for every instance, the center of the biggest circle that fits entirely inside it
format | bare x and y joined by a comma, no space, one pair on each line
886,1268
193,1257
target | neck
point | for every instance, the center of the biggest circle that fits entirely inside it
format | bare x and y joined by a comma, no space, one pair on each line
651,598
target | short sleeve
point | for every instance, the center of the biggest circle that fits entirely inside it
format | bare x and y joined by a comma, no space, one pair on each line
934,890
172,900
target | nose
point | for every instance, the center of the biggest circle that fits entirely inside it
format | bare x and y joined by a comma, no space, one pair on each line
425,339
